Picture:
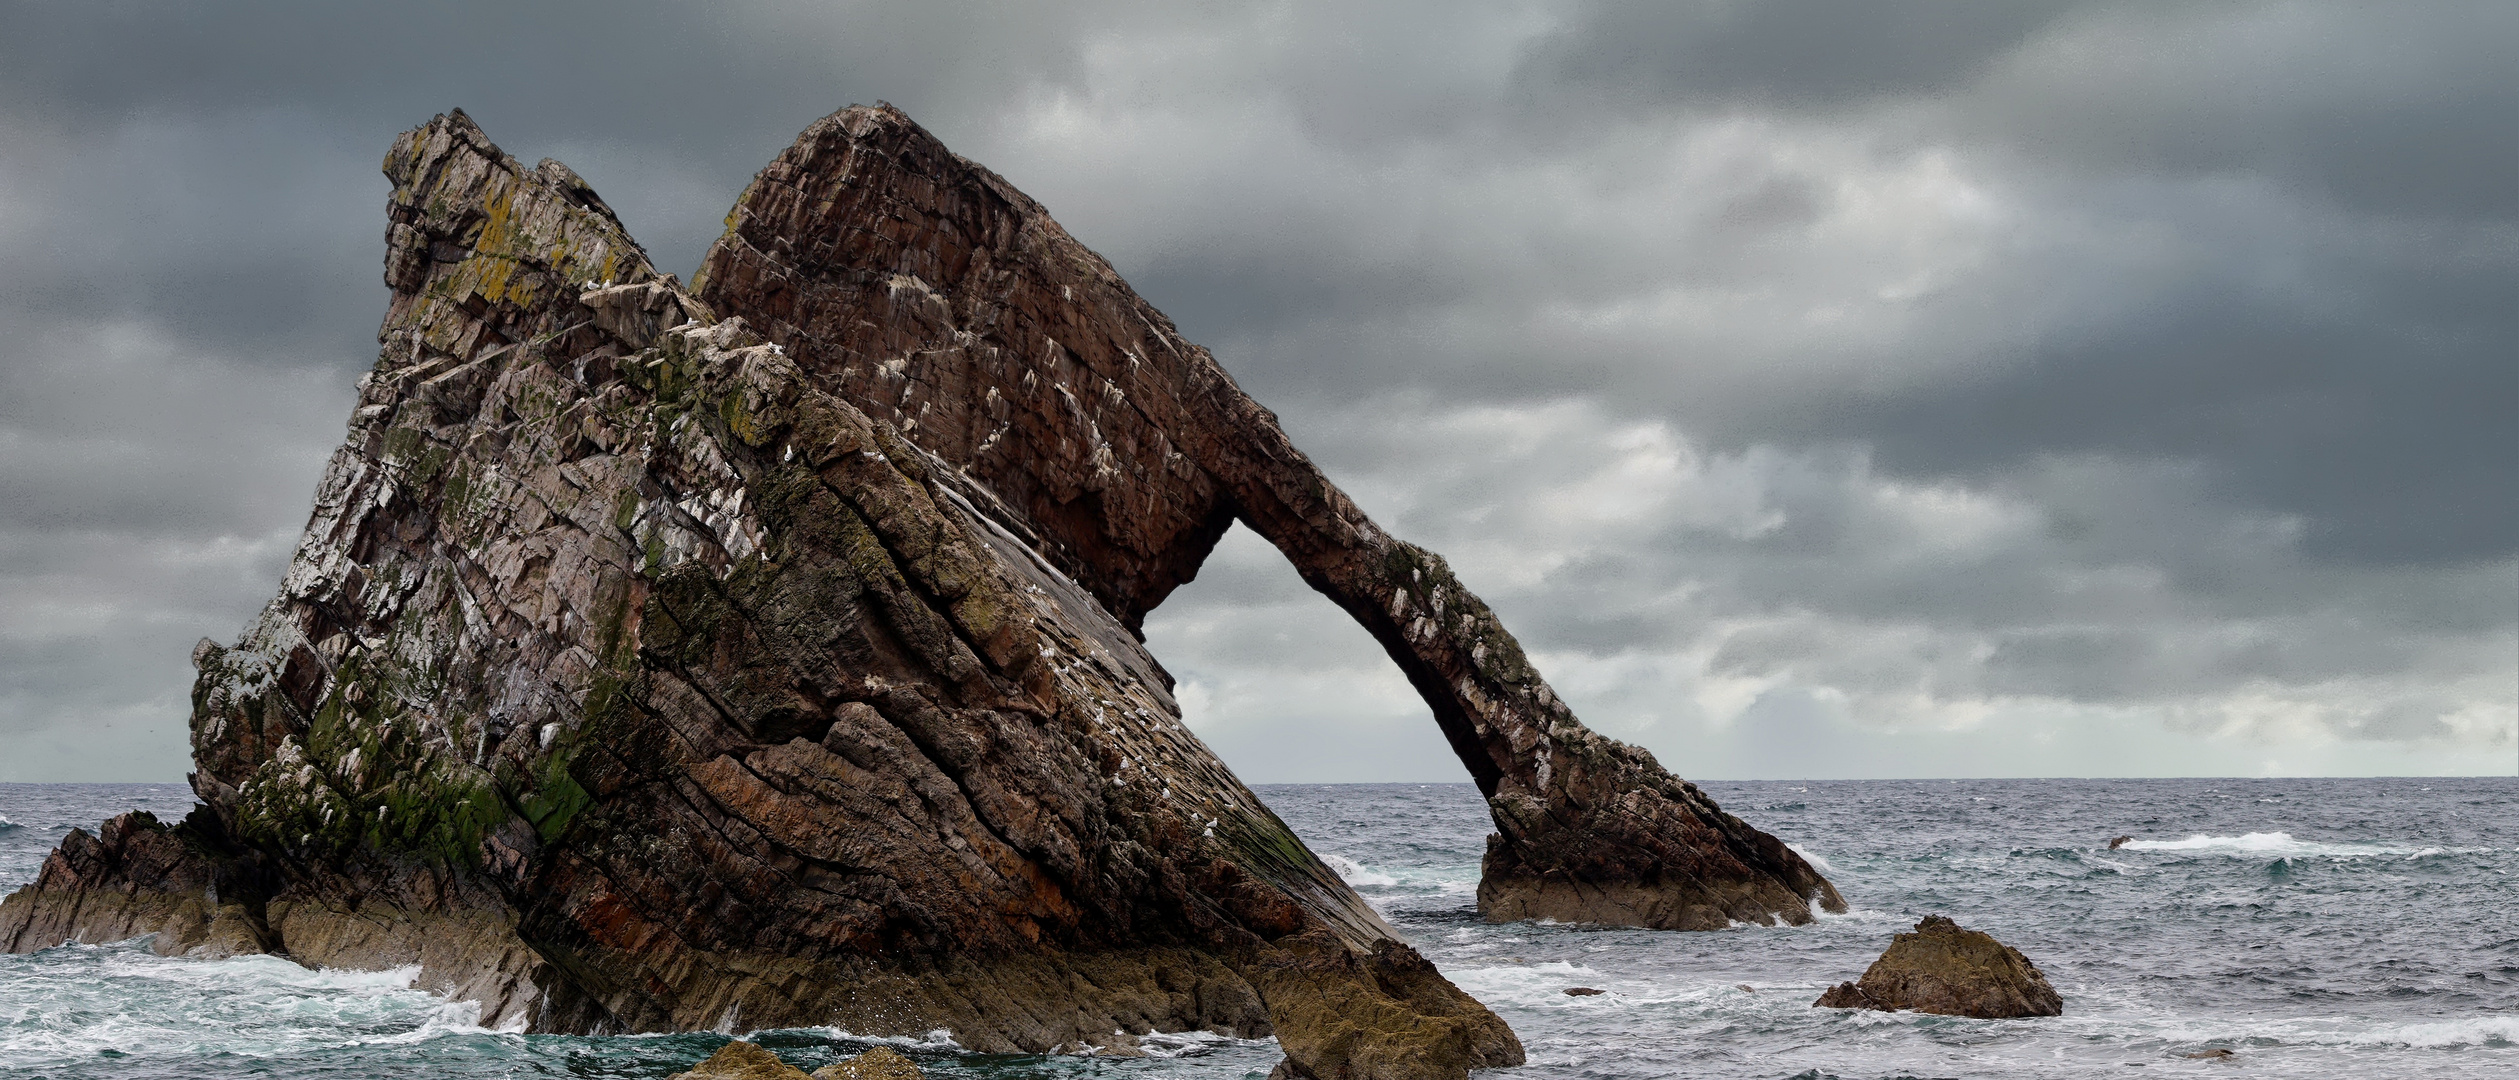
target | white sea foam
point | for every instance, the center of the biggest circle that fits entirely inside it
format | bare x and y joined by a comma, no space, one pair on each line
1526,984
78,1002
1357,874
1862,917
1816,862
2498,1031
2282,845
451,1018
2494,1031
1178,1044
940,1039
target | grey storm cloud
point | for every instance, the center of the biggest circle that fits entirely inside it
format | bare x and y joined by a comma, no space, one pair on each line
1819,388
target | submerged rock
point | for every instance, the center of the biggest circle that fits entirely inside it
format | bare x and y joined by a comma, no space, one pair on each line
740,1060
1943,968
931,294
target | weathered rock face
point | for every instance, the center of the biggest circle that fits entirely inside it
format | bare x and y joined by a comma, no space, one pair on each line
935,297
628,679
1942,968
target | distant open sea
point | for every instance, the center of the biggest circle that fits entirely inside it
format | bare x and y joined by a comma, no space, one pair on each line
2319,928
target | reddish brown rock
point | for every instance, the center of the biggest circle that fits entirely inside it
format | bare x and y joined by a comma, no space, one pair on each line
931,294
626,679
1942,968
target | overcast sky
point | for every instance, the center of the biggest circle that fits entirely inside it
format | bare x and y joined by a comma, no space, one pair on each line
1818,389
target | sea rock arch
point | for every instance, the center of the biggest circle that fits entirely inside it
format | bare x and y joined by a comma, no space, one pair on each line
929,292
761,654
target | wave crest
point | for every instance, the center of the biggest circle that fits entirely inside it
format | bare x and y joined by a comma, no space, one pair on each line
2282,845
1357,874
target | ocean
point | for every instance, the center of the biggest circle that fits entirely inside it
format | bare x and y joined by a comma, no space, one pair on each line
2316,928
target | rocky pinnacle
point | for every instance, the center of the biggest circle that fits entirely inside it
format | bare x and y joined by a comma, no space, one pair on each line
928,292
628,679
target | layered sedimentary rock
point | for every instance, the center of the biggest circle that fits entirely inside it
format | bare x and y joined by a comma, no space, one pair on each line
627,678
1944,968
931,294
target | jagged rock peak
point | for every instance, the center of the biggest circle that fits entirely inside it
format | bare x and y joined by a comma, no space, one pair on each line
931,294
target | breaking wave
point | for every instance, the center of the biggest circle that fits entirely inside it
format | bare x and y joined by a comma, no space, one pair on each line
1816,862
2281,845
78,1003
1357,874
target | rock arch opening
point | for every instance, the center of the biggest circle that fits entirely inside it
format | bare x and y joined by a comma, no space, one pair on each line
1283,686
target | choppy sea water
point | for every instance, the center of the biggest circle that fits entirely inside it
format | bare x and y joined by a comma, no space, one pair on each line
2318,928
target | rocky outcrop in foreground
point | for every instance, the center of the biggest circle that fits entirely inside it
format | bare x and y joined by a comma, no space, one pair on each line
1942,968
931,294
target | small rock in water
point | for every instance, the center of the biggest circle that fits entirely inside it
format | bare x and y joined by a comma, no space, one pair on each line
2118,842
740,1060
1116,1044
2214,1054
1942,968
1583,991
880,1063
1746,988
